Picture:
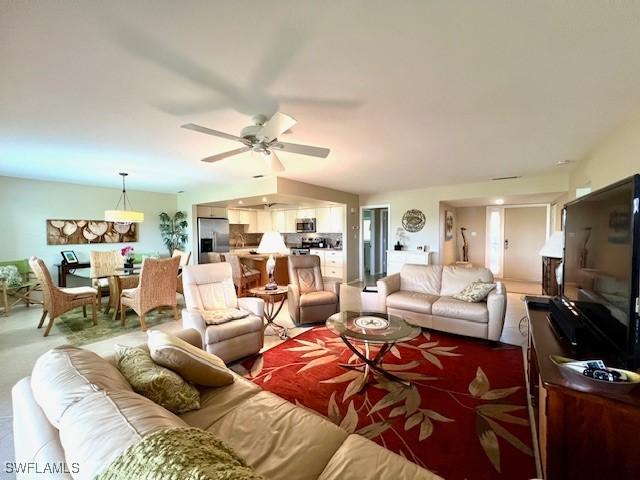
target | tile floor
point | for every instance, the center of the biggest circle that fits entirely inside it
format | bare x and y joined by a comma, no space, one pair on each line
21,344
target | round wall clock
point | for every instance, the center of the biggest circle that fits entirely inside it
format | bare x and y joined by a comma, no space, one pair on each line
413,220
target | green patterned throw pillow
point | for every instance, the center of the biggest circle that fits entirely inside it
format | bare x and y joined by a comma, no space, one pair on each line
179,454
161,385
11,275
475,292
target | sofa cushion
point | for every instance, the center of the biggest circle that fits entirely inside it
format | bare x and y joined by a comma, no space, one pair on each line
273,435
358,455
421,278
456,278
222,315
216,402
311,299
453,308
66,374
412,301
192,363
95,430
233,329
161,385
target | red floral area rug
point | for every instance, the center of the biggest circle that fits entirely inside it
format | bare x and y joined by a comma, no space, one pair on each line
464,417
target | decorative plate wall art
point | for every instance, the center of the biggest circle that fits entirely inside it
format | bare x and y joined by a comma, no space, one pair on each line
74,232
413,220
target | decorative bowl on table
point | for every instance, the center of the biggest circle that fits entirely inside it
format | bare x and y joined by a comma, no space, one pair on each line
625,386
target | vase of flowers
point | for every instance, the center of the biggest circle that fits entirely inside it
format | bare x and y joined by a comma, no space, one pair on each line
401,238
127,253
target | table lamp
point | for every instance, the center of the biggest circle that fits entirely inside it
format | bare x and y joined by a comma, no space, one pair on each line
272,243
553,248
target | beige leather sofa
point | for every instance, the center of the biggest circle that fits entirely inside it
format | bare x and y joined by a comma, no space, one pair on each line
422,294
90,417
209,287
311,298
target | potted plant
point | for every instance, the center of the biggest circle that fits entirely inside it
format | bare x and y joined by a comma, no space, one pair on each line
173,230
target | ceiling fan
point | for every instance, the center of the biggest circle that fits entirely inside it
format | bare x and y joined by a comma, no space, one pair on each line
262,138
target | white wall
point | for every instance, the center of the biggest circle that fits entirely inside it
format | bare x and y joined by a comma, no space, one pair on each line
428,200
25,205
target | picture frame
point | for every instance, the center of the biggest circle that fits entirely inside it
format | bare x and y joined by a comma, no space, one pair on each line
69,256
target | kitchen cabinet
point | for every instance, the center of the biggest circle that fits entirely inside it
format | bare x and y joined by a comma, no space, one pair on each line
263,220
331,262
336,220
211,212
306,213
323,220
250,219
330,220
233,215
290,225
279,221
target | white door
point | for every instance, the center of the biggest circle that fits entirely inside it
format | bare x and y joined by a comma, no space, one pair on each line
525,231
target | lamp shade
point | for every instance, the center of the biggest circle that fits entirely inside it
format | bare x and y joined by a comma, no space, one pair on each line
272,242
123,216
553,247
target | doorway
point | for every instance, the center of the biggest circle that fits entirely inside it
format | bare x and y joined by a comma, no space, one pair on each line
375,242
515,235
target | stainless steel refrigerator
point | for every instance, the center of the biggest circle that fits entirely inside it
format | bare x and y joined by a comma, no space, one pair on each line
213,237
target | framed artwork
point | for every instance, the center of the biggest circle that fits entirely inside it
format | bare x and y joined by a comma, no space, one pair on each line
69,256
76,232
448,225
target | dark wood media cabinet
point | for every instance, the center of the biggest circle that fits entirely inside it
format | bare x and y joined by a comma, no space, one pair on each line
584,431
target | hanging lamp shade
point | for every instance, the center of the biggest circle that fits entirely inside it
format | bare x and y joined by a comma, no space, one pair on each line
124,214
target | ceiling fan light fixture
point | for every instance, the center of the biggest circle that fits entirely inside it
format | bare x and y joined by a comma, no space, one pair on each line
123,215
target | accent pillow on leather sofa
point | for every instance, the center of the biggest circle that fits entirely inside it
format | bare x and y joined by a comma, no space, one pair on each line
192,363
66,374
475,292
161,385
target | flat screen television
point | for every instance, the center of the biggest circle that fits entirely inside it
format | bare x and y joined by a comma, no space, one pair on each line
601,270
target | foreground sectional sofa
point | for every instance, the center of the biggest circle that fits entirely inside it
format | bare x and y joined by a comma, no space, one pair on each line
87,424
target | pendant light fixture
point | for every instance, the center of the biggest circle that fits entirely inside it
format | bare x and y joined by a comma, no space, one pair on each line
126,215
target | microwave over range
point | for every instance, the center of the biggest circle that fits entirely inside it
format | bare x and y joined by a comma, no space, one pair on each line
306,225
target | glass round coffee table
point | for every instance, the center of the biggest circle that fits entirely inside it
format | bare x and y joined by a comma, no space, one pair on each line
371,328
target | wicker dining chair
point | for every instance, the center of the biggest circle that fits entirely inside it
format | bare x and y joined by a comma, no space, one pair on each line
104,265
60,300
156,289
244,277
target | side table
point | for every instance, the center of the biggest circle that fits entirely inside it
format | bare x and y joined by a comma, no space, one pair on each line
273,302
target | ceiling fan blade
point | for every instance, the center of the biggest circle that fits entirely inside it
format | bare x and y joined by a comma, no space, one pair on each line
209,131
301,149
276,126
230,153
274,163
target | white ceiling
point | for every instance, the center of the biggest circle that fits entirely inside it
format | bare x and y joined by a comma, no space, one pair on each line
419,92
506,200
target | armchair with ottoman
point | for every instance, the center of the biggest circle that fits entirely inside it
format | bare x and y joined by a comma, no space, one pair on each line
311,298
230,327
423,295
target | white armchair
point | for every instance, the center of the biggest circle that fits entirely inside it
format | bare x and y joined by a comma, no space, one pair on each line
209,288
